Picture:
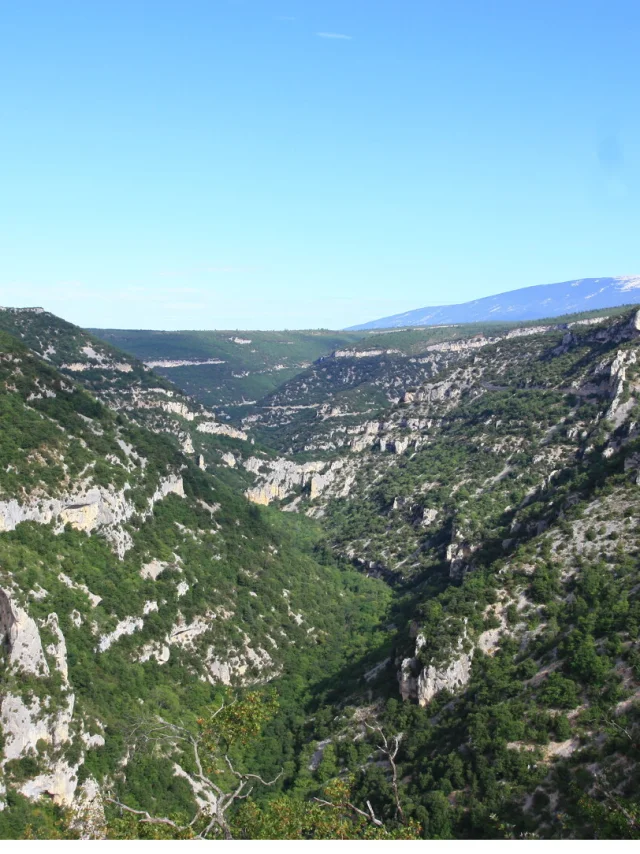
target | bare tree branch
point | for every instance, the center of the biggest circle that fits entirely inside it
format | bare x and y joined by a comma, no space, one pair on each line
159,731
390,752
252,776
370,816
147,818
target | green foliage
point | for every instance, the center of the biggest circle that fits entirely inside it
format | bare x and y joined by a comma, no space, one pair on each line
239,721
549,566
24,819
332,817
559,692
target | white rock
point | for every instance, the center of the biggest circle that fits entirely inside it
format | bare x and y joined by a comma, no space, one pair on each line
22,638
125,627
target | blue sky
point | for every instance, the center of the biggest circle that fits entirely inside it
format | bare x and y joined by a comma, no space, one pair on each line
257,164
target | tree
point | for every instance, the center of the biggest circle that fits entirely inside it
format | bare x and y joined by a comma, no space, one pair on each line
559,692
333,816
215,782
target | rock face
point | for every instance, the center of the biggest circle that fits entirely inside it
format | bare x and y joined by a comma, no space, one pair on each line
281,478
236,667
617,377
278,479
422,684
367,436
88,811
27,723
221,430
429,515
22,638
362,354
87,510
125,627
459,555
432,680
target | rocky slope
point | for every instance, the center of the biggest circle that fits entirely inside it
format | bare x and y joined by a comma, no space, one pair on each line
498,497
129,579
340,395
126,385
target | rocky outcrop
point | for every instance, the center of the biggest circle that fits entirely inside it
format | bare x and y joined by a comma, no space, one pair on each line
361,354
28,722
88,509
432,680
397,445
214,427
423,683
231,668
19,633
632,466
88,811
617,378
367,436
281,478
246,666
446,391
458,556
23,726
429,516
181,363
125,627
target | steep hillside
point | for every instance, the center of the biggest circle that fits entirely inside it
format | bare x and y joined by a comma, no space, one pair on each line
126,385
522,304
329,405
228,369
500,501
132,583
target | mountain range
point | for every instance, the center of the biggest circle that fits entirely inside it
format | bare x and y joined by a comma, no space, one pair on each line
531,303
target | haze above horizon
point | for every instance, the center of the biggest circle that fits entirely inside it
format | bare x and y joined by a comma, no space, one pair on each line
253,165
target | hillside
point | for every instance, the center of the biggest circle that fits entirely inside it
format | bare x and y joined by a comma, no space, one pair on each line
533,303
443,591
499,500
324,407
227,369
130,577
127,385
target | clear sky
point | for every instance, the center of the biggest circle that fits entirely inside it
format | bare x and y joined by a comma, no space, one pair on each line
305,163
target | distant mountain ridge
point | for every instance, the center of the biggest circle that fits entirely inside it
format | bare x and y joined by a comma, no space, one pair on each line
531,303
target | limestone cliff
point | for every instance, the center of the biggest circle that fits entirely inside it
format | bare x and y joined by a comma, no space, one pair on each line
38,726
88,509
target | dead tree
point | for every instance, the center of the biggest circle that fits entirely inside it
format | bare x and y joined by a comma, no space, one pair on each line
370,816
390,751
212,799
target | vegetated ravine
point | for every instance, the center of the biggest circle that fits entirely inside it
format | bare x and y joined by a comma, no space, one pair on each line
425,541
